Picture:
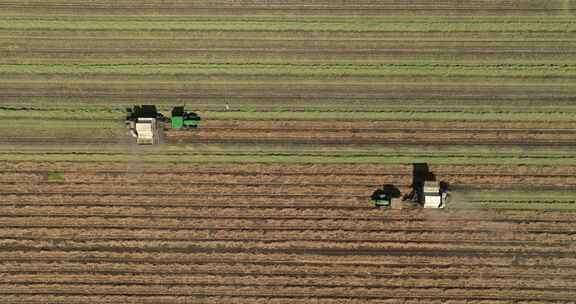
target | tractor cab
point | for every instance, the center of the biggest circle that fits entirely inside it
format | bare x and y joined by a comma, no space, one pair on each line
143,111
382,197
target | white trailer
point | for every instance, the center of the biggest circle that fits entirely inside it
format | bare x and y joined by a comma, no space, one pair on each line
427,191
434,197
147,131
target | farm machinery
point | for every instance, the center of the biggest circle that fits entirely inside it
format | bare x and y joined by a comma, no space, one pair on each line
146,124
382,198
426,191
183,120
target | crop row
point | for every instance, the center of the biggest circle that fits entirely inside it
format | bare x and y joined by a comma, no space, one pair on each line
274,56
42,298
294,247
251,56
373,170
160,35
192,188
517,236
347,186
226,284
458,89
127,51
279,180
355,136
445,158
510,98
106,109
297,4
502,199
310,293
297,206
272,280
302,270
127,44
244,149
345,139
282,224
564,115
313,259
315,24
325,70
365,8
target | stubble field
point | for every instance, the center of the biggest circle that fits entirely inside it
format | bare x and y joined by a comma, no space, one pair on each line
307,107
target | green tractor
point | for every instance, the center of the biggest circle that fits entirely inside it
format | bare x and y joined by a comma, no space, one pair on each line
147,125
382,197
183,120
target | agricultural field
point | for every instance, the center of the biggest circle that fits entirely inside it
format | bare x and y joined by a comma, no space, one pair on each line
307,107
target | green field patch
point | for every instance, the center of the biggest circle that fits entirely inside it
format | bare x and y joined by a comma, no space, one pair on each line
292,153
522,199
311,113
102,119
55,177
61,129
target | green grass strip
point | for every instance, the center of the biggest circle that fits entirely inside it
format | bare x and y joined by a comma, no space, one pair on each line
469,155
561,200
311,70
542,24
240,113
422,114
